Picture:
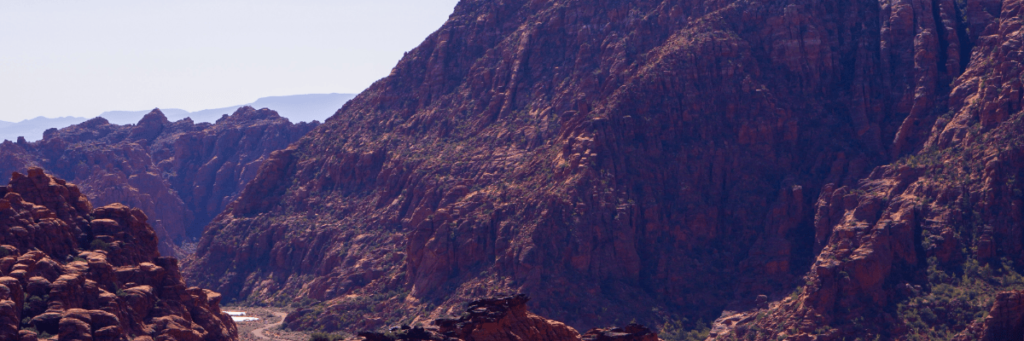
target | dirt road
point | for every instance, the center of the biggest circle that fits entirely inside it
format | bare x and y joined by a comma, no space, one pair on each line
258,333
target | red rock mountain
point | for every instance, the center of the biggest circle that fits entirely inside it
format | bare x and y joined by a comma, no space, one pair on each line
656,160
922,247
181,174
92,274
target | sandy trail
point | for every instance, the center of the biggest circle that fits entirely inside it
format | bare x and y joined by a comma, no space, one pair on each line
258,333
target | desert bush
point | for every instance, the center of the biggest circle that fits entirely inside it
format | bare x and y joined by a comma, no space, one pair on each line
675,330
99,245
325,337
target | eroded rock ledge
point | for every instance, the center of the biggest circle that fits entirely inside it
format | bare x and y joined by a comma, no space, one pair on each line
507,318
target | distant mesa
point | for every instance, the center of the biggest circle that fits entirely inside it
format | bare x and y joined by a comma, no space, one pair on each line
296,108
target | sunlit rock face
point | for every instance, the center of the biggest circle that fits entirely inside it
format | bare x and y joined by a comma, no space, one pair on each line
84,273
643,159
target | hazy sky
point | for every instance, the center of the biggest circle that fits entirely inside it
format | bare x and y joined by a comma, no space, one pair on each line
81,58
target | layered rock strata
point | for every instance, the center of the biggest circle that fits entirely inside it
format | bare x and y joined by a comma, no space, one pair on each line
607,153
181,174
79,273
922,247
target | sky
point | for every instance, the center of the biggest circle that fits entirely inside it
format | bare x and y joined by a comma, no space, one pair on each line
82,58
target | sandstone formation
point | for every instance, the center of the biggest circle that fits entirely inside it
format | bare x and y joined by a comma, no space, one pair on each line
922,247
507,319
181,174
668,158
78,273
1004,322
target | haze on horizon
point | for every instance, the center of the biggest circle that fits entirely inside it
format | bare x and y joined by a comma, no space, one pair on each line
78,58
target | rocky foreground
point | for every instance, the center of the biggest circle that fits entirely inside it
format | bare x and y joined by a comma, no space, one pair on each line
507,319
180,173
78,273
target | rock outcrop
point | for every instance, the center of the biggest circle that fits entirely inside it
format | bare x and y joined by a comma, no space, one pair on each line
631,332
79,273
181,174
599,154
1004,322
506,319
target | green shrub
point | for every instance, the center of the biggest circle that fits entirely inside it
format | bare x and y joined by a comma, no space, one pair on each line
955,296
99,245
325,337
674,330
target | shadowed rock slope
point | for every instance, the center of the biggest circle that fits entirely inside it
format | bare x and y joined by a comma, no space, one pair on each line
648,159
80,273
924,246
181,174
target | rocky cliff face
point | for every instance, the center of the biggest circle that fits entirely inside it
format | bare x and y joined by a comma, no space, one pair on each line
181,174
923,246
668,158
79,273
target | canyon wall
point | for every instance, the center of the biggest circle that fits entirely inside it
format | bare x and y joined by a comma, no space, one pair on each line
596,155
924,245
795,164
180,173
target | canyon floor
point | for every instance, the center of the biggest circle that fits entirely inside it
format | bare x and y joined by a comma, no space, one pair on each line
268,327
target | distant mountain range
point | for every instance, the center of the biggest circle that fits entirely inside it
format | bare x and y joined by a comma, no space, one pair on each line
296,108
32,129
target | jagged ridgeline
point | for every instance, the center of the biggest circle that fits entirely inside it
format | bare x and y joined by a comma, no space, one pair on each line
182,174
656,160
79,273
